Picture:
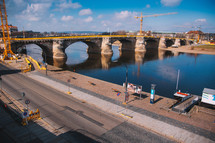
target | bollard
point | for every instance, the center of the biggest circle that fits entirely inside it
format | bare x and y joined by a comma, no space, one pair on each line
152,97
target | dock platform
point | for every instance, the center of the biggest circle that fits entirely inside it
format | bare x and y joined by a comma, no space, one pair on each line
185,105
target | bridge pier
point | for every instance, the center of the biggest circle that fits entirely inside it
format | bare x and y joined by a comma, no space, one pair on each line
175,53
58,50
187,42
139,56
161,54
105,61
162,43
106,47
177,42
140,44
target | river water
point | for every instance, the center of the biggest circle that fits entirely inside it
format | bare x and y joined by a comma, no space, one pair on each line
196,71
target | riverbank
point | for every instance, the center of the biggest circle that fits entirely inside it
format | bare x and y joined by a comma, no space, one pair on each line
198,116
193,49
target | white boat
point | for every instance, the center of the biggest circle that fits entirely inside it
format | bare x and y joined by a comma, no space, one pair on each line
181,94
178,93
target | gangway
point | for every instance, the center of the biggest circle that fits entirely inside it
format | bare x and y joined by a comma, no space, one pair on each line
186,104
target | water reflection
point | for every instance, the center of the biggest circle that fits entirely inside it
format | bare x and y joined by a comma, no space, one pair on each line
79,61
154,66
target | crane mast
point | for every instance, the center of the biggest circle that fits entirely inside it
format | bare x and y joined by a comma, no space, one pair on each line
5,32
155,15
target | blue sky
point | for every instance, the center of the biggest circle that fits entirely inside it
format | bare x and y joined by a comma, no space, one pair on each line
111,15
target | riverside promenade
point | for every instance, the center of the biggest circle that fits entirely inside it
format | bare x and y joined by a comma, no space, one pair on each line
165,126
158,117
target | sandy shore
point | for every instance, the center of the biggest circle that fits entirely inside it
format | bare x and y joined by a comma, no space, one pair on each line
191,49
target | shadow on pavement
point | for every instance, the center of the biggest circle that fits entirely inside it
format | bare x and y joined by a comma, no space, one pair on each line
5,70
11,129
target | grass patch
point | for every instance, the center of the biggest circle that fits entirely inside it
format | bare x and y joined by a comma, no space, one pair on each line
205,47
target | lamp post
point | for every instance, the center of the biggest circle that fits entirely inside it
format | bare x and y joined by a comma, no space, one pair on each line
45,62
126,81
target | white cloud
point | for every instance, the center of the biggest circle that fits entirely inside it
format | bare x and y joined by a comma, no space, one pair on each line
125,14
100,16
171,2
118,24
67,5
66,18
148,6
51,15
89,19
201,20
18,2
34,12
106,23
85,12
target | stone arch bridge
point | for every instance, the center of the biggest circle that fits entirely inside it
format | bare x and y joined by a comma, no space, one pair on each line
54,47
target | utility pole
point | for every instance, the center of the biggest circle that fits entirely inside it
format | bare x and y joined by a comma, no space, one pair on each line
126,85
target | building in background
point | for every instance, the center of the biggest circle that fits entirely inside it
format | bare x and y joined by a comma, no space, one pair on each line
11,29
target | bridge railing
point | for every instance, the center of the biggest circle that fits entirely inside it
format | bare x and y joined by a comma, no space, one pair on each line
90,36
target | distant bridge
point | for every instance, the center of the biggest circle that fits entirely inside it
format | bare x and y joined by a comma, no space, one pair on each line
54,47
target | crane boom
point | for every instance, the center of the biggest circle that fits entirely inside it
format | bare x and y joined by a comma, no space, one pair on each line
5,30
154,15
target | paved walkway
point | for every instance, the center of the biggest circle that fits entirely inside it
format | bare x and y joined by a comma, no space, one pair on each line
129,113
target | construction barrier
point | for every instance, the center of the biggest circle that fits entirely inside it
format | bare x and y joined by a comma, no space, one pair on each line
38,65
29,65
30,116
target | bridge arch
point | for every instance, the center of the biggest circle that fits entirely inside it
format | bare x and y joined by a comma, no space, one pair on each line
45,46
93,45
182,42
169,42
124,43
76,53
151,43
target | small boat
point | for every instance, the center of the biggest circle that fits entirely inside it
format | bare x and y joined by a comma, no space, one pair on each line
181,94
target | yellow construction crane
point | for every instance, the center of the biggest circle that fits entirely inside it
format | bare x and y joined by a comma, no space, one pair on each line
155,15
8,54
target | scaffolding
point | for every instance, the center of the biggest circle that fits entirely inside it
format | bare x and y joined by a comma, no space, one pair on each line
8,54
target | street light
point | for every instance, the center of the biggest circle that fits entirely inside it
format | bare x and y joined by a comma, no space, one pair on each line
45,62
126,81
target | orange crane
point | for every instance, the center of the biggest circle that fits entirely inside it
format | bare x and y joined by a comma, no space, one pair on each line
5,32
155,15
